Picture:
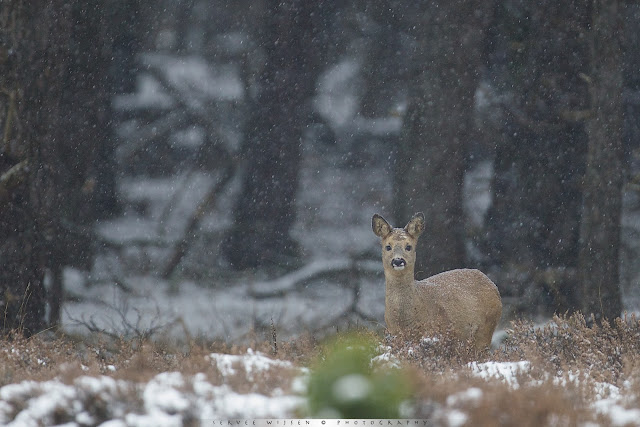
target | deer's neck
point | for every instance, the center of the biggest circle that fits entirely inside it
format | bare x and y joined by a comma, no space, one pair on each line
399,299
400,284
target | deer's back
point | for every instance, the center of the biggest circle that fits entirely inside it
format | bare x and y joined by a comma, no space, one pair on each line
465,299
461,283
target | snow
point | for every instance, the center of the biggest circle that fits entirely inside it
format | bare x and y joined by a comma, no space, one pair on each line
473,394
175,399
253,363
161,394
168,399
456,418
351,388
506,371
306,274
336,99
149,95
477,194
619,415
195,76
386,359
609,401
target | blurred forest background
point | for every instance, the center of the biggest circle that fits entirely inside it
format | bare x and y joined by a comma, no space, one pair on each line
227,142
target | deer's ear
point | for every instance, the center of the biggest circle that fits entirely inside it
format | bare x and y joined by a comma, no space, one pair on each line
380,226
415,227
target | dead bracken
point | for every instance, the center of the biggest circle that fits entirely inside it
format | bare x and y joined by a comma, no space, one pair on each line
564,373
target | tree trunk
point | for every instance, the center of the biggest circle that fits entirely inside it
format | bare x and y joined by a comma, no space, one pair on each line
384,68
57,142
266,210
430,162
537,68
87,97
33,39
603,179
85,174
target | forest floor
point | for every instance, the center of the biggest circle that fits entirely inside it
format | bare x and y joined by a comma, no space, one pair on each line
565,374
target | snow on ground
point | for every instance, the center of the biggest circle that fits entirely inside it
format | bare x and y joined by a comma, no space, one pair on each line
195,311
505,371
175,399
168,399
252,363
609,401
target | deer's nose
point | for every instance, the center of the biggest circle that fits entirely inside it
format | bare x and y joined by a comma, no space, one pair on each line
398,263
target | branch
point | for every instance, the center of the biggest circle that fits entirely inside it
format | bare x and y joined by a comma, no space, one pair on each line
12,178
190,231
138,139
523,119
312,272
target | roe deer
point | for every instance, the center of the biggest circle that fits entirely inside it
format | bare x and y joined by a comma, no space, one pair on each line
466,302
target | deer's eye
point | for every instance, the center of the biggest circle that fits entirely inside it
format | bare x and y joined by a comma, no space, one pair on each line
388,247
407,248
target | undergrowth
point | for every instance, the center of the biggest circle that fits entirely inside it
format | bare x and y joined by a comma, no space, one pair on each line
571,364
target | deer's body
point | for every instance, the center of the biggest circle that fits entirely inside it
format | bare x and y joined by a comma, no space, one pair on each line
466,301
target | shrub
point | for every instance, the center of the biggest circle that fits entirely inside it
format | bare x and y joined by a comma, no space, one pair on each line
343,383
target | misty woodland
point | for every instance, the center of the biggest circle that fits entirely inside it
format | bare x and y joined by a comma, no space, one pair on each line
188,190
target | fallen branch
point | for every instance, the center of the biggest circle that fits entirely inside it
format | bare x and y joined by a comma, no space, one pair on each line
190,234
314,271
223,159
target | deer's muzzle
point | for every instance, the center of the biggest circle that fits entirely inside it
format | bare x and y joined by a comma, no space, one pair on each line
398,263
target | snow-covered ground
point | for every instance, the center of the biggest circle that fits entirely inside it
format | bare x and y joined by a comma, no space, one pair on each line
609,402
168,399
175,399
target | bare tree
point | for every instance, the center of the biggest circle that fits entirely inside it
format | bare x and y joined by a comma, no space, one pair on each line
603,179
430,160
294,56
33,39
56,154
85,172
537,67
557,200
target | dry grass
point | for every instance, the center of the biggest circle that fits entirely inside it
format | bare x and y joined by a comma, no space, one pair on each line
44,357
568,360
571,363
491,403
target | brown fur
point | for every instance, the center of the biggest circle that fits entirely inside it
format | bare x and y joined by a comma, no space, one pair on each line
464,301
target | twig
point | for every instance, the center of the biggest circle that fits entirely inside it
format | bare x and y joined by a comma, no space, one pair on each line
274,335
125,329
223,158
138,140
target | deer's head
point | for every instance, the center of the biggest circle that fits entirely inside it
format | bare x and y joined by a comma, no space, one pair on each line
398,244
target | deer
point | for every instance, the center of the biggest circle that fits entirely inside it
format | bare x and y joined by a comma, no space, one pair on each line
464,302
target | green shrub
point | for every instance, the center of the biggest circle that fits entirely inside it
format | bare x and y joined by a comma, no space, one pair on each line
343,383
